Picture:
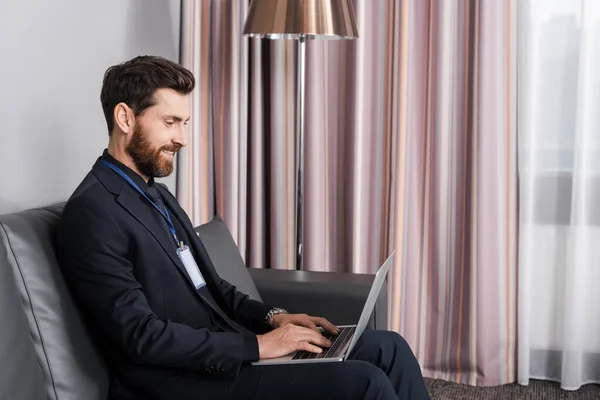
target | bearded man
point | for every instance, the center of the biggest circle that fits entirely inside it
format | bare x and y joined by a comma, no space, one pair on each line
169,327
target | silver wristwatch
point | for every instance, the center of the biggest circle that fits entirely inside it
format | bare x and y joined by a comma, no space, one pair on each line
274,312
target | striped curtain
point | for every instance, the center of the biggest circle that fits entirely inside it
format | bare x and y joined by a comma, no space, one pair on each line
454,288
410,145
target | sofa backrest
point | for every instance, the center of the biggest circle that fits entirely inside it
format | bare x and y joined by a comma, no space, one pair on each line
67,362
225,256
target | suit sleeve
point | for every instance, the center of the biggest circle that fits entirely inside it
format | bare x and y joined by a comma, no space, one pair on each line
93,252
250,312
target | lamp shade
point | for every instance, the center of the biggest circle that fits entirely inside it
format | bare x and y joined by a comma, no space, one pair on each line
290,19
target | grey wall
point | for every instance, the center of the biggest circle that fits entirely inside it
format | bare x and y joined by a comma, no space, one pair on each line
53,54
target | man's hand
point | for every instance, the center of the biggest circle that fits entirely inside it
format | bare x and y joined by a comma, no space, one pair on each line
289,338
280,320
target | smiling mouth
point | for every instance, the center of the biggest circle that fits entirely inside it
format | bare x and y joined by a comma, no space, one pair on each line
170,153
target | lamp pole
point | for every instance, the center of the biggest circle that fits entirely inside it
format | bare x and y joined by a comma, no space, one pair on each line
300,140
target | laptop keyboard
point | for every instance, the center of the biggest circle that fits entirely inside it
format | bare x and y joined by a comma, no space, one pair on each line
337,345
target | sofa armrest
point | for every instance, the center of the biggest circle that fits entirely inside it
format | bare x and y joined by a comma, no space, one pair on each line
337,296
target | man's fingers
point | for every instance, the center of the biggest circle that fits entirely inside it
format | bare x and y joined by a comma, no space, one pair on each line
310,325
308,335
320,340
311,348
328,326
302,320
305,321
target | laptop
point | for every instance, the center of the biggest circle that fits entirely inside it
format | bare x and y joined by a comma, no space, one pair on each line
343,343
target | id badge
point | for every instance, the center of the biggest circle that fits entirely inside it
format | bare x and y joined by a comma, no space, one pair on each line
186,257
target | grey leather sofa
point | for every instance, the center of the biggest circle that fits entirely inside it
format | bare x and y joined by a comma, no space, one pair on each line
47,353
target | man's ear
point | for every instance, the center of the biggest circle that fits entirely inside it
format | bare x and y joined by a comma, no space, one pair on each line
124,118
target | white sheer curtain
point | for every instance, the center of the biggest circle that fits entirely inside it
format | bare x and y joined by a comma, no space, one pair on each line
559,172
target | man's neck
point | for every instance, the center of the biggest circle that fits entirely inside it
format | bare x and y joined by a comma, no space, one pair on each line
118,153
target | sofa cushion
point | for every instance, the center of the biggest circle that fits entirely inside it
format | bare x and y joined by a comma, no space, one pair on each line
69,363
226,257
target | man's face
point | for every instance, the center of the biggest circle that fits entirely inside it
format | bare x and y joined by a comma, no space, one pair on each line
159,133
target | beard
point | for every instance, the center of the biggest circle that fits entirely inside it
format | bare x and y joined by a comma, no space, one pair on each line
147,159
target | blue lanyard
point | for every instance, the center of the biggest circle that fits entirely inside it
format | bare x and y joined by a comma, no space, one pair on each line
164,213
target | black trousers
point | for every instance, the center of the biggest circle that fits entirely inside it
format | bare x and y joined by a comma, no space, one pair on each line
381,366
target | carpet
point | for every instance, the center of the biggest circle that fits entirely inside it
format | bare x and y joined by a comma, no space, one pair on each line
536,390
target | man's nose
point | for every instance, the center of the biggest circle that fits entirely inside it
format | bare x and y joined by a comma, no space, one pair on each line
181,138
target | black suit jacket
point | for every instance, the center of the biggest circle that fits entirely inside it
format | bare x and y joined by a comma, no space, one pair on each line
135,293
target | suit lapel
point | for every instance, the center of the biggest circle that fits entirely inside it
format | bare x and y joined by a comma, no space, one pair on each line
132,202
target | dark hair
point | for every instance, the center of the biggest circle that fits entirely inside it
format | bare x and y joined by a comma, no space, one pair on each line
135,81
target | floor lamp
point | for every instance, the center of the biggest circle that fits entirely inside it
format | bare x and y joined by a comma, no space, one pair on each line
300,20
